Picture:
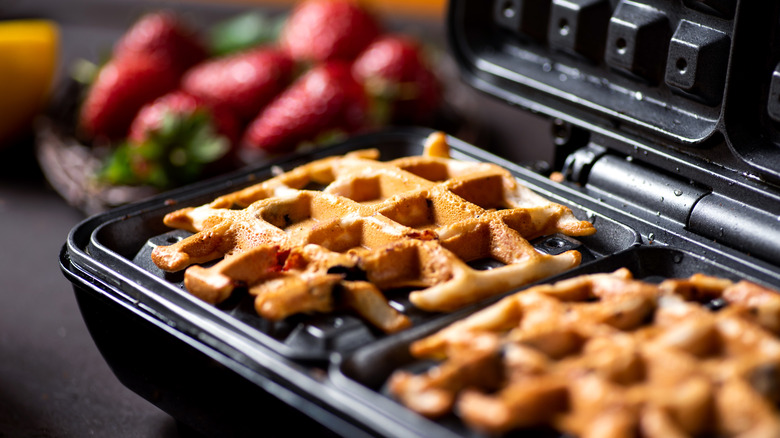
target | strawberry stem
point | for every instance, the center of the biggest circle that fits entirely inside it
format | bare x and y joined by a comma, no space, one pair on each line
175,153
243,32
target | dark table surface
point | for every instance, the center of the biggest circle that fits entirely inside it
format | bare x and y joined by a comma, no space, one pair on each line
53,381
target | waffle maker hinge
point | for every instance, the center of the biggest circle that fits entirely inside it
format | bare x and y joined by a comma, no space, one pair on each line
659,197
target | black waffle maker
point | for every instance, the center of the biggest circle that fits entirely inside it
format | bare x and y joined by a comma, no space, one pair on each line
667,122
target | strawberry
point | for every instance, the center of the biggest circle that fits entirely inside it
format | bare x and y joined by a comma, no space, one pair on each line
244,82
120,89
394,72
325,99
322,30
147,62
162,35
180,104
172,141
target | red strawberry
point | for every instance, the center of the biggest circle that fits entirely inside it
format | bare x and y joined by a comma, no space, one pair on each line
121,88
244,82
174,140
180,104
394,71
326,98
321,30
162,35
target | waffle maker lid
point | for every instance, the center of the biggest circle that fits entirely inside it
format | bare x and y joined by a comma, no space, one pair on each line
662,106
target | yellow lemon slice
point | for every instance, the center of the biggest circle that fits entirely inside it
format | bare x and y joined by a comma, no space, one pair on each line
28,60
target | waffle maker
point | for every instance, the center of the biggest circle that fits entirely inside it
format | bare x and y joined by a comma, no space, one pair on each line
666,124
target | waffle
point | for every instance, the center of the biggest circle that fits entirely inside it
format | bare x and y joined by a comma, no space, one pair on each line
414,222
605,355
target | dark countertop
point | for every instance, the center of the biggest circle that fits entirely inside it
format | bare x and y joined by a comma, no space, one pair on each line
53,380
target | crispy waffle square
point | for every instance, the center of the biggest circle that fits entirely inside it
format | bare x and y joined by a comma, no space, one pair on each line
413,222
605,355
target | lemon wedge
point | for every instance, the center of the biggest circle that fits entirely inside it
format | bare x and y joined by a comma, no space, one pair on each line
29,51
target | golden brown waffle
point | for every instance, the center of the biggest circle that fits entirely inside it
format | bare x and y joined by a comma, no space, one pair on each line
607,356
412,222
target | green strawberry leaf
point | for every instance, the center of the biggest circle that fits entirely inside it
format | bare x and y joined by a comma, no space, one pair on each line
116,168
176,153
209,148
83,71
243,32
380,107
329,137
